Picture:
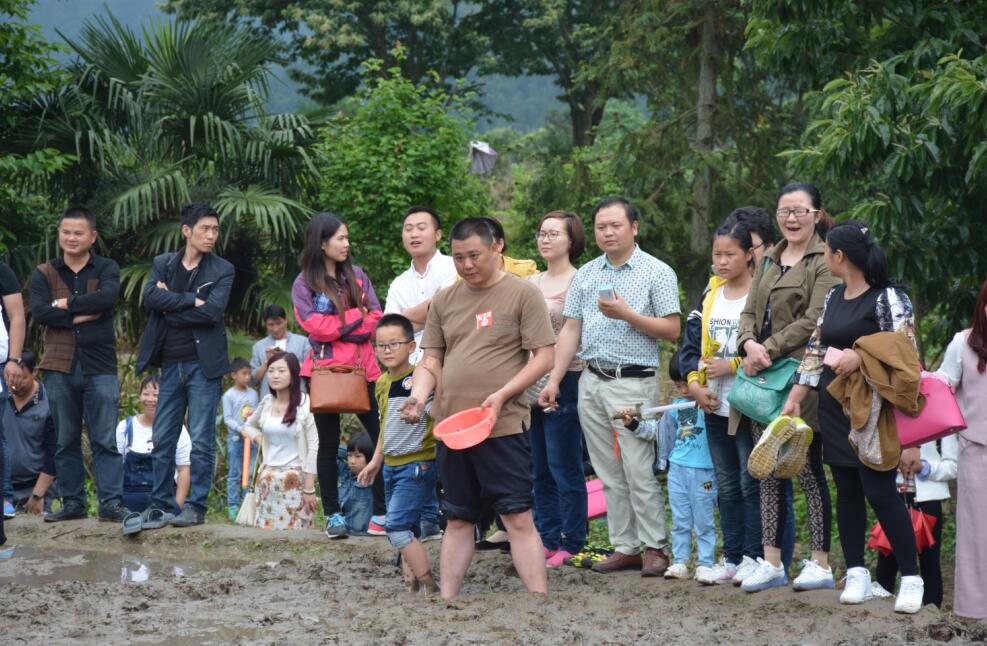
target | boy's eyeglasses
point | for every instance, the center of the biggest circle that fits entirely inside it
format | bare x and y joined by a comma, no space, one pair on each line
390,347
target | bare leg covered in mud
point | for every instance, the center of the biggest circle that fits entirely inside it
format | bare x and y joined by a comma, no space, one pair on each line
526,551
417,572
455,556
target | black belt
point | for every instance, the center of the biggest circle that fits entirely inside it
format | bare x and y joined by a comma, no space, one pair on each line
623,372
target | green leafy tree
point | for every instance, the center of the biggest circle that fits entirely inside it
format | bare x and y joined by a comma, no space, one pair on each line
902,134
173,116
332,38
398,144
569,40
27,69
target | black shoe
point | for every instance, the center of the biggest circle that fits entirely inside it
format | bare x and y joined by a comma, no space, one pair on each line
113,512
188,518
69,511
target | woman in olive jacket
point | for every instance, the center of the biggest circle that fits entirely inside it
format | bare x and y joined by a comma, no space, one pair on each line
784,304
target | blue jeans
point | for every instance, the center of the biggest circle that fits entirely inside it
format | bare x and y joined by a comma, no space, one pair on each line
356,502
557,470
74,397
407,490
738,493
692,497
234,460
185,387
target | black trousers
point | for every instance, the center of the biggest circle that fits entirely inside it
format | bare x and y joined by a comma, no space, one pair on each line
328,426
857,486
928,559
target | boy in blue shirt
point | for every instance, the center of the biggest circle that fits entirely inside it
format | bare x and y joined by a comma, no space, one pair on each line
681,436
238,404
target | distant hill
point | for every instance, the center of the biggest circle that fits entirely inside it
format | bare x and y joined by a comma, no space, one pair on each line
525,100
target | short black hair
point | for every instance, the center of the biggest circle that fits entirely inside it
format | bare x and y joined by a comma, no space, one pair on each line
148,380
674,371
239,364
29,360
361,443
397,320
192,213
757,220
629,209
78,213
424,209
273,312
480,227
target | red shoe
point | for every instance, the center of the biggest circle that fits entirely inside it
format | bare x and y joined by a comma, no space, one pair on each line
549,553
377,526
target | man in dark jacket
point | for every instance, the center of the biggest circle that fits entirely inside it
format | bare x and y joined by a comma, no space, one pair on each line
73,297
187,293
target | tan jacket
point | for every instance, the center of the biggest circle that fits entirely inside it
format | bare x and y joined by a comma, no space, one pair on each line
889,367
796,303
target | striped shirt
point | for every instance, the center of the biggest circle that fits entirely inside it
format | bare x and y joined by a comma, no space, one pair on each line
403,443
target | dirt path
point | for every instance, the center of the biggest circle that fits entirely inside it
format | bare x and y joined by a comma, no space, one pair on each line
83,582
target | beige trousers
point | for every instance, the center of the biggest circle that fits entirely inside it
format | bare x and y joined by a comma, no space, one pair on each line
635,509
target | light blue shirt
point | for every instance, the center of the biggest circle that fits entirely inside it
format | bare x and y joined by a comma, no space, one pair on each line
691,443
296,344
648,285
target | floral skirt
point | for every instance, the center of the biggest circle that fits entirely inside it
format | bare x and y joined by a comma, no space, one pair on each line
279,499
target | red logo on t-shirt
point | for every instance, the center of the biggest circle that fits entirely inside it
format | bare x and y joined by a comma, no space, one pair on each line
484,319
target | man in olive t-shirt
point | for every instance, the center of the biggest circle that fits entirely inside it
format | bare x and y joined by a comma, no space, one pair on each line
487,338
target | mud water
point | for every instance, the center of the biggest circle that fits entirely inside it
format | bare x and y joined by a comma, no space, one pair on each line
84,582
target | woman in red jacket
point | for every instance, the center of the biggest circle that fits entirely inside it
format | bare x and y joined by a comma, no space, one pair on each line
335,303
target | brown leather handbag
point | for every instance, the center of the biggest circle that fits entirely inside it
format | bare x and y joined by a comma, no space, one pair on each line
339,389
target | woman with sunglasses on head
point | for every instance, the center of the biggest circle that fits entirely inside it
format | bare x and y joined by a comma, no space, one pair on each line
854,313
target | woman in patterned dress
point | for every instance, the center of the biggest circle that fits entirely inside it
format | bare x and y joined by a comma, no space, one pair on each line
284,426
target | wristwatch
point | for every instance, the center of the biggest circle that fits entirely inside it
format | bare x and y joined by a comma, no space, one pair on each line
35,496
19,361
54,303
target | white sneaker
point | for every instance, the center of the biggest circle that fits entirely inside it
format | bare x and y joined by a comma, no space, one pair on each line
857,588
814,577
910,592
744,570
878,591
677,571
764,577
722,572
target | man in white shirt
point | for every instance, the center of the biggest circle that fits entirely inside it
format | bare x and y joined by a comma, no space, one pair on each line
411,292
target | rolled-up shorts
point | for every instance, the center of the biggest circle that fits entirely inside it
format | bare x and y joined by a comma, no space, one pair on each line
496,473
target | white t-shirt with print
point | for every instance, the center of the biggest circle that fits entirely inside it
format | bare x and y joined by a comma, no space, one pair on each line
723,325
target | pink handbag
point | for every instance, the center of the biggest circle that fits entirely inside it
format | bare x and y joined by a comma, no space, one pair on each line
941,415
596,504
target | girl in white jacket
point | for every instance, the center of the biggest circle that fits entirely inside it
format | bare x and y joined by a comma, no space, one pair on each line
925,492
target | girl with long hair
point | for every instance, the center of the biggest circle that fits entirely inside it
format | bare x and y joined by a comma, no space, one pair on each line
335,304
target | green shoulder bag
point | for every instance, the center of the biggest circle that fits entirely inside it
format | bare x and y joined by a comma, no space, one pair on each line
762,396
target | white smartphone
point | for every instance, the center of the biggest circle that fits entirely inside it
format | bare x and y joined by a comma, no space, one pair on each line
607,293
